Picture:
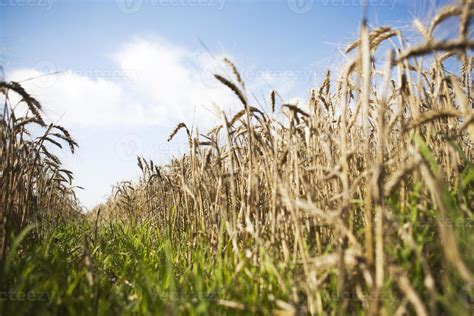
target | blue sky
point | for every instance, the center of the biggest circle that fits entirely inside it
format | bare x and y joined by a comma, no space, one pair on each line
130,70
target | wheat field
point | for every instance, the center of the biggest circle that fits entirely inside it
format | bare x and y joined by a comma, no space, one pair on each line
359,202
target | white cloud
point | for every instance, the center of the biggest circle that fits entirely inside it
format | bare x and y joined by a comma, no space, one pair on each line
173,80
80,101
156,85
160,84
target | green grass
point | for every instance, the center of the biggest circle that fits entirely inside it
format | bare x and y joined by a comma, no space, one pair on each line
133,268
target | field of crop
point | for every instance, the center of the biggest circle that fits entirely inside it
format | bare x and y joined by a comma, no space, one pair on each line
359,202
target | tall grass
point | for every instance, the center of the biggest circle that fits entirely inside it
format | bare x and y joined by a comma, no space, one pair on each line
34,187
330,187
359,203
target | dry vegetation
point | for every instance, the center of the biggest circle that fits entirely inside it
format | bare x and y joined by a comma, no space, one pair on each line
363,199
34,188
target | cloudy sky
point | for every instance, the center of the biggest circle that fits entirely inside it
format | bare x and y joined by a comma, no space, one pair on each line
127,71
